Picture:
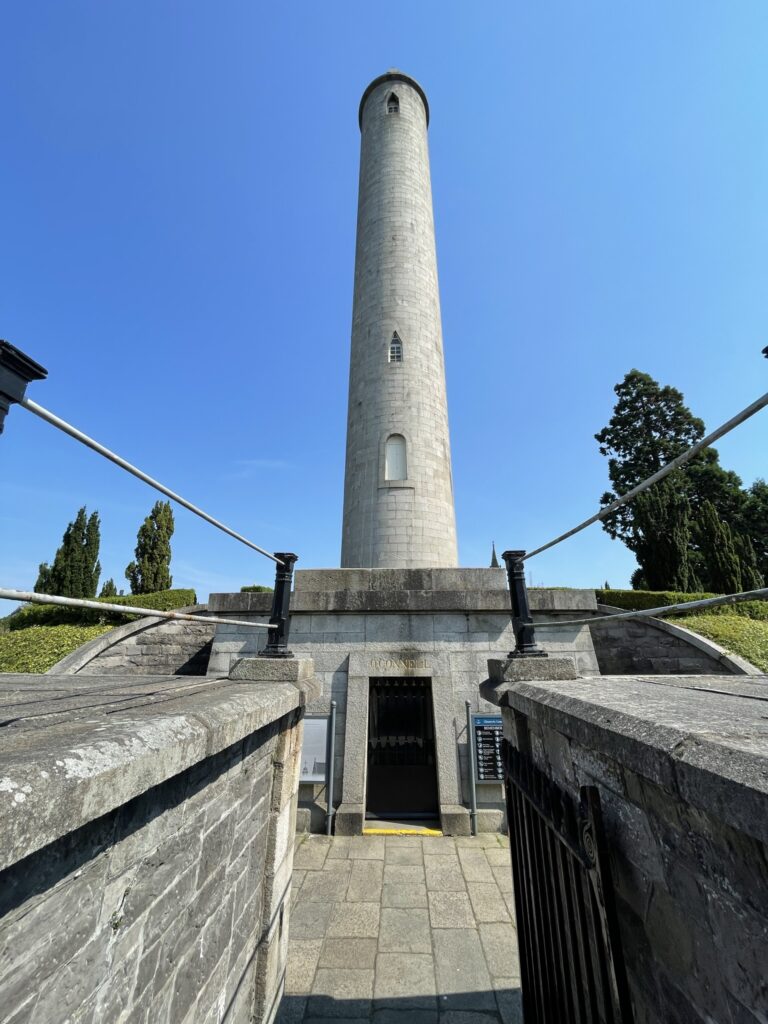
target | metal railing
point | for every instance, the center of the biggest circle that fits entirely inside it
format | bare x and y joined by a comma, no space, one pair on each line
522,621
104,606
17,370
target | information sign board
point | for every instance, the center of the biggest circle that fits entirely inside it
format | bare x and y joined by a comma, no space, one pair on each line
488,766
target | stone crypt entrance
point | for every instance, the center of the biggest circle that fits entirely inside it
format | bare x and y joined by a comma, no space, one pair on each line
402,764
400,750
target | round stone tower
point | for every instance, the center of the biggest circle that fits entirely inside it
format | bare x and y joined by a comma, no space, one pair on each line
398,488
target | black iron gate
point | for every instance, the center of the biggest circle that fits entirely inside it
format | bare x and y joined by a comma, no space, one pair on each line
570,952
402,767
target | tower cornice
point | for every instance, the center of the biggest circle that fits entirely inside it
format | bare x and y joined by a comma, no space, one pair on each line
393,76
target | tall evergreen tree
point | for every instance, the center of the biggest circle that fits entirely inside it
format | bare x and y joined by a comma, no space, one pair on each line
753,521
719,558
650,426
75,570
751,577
662,536
150,571
109,589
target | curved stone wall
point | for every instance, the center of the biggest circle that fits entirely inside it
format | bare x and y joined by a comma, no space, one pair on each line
148,647
664,648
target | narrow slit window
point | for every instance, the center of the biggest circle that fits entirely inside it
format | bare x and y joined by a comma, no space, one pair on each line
395,349
395,467
393,104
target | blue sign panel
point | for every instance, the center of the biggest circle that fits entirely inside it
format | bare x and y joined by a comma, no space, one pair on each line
488,766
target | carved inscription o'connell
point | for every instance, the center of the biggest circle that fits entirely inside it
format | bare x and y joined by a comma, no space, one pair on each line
398,664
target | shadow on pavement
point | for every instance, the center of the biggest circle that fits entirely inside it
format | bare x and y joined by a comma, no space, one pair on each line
504,1006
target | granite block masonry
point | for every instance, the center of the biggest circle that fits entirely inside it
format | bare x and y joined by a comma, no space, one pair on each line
398,487
681,766
146,851
439,625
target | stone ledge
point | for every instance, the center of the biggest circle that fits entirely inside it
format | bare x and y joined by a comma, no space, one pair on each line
361,600
299,672
704,738
77,747
400,579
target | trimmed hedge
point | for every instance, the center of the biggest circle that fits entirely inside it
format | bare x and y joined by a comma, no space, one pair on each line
53,615
257,588
38,648
637,600
737,634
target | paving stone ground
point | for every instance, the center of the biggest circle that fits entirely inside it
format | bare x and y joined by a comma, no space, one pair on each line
402,930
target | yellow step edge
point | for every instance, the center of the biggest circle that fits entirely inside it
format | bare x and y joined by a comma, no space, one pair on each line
402,832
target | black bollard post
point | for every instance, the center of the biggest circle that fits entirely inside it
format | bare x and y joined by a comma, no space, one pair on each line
279,620
16,371
522,623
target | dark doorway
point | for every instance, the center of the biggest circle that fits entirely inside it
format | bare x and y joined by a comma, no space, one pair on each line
402,767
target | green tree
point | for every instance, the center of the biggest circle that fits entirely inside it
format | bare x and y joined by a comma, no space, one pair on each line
75,569
637,580
151,570
751,577
109,589
719,557
650,426
662,536
753,522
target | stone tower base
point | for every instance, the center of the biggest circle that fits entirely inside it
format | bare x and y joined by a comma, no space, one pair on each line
441,624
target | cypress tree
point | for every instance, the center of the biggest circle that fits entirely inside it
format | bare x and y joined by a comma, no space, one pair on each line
751,578
75,570
150,571
662,536
753,523
109,589
720,561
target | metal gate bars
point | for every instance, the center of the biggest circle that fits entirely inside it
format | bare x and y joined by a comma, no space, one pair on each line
570,952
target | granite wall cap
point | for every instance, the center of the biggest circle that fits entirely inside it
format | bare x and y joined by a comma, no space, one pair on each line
438,590
503,675
299,672
399,579
75,748
703,738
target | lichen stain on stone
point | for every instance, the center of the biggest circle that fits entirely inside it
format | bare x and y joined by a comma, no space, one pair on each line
19,792
85,763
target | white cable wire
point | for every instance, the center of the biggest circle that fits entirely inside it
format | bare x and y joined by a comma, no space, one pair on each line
664,471
78,435
747,595
102,606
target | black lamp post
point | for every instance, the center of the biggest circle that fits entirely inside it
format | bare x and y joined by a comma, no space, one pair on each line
522,623
16,371
279,620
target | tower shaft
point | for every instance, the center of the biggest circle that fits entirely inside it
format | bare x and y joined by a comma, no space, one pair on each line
398,488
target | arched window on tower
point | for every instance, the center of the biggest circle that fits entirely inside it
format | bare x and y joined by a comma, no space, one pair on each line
395,463
393,104
395,349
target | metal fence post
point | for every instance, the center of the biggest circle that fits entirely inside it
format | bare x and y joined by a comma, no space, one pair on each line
471,771
279,620
330,759
16,371
522,623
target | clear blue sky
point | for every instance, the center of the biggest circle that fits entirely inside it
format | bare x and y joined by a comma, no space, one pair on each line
178,189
